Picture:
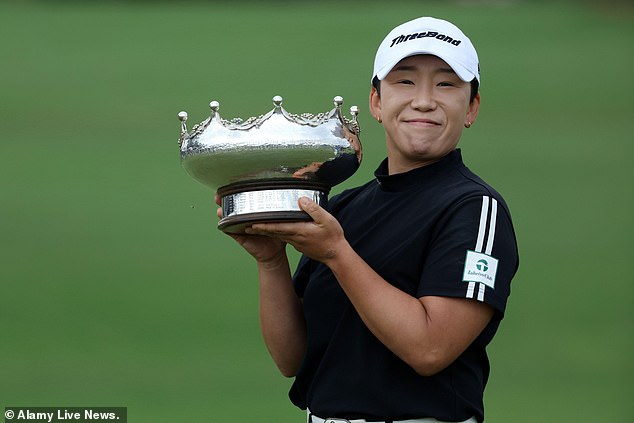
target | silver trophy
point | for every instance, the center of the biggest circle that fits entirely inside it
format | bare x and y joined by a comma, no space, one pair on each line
261,166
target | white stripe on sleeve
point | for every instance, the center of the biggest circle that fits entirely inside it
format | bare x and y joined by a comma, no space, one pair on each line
491,237
483,223
481,292
470,289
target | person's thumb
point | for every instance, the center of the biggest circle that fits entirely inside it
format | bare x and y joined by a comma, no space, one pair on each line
312,208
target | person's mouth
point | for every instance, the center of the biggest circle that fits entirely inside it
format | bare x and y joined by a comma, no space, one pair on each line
423,122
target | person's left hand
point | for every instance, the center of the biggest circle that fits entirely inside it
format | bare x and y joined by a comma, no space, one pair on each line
320,239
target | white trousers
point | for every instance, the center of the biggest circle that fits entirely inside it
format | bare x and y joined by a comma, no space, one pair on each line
316,419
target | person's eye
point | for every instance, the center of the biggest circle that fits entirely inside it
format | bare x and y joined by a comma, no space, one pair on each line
405,82
446,84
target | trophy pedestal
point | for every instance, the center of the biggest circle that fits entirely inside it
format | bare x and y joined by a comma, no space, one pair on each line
267,201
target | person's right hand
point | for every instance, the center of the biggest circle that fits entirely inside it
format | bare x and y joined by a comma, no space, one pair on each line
264,249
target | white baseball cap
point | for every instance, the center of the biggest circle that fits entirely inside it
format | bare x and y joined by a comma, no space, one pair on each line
428,36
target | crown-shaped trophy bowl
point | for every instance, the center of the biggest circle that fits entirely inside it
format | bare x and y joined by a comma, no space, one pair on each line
261,166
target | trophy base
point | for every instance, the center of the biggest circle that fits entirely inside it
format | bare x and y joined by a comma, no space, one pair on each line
246,204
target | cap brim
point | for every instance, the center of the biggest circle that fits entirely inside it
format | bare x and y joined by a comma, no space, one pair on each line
462,72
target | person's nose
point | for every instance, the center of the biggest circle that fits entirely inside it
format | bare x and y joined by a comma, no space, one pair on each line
424,99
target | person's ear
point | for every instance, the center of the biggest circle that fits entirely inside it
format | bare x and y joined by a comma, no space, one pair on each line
472,112
375,104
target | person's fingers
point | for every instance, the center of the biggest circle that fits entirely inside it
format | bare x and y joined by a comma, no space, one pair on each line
313,209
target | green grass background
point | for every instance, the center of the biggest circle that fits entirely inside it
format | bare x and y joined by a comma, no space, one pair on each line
116,289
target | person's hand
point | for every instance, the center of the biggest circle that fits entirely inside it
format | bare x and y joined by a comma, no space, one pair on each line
320,239
264,249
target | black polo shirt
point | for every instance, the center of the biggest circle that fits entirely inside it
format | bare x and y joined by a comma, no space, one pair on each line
436,230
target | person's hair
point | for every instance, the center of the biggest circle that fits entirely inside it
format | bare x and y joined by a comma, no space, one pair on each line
475,86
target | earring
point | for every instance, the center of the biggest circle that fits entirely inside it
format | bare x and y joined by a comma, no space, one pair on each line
467,125
378,119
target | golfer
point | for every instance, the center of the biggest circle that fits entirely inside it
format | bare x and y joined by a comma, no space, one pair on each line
403,281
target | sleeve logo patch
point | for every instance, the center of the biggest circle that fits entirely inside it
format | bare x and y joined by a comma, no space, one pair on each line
481,268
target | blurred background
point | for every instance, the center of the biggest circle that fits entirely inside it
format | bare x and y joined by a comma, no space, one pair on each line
116,288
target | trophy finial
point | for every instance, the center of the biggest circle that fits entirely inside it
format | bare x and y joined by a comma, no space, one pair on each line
338,101
277,101
214,106
354,111
182,116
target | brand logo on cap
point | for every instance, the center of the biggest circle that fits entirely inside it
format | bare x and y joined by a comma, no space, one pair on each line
428,34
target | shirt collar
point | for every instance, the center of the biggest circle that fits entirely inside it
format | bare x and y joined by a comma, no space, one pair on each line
415,177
